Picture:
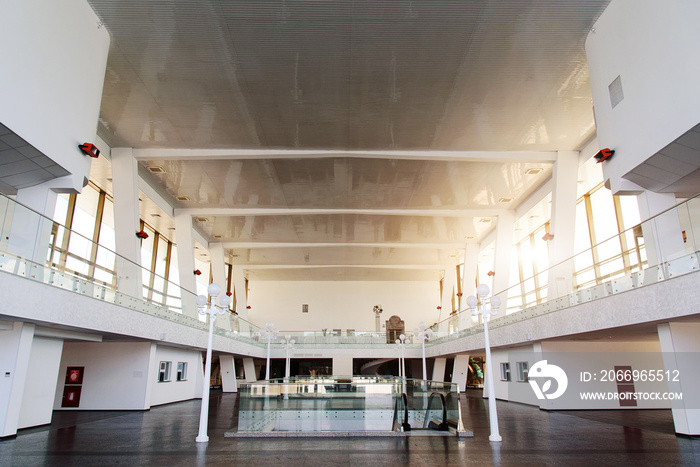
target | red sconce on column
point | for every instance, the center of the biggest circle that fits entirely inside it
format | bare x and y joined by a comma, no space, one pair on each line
197,272
142,235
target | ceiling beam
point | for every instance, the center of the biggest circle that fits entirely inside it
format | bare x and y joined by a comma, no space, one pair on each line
425,267
428,212
240,154
255,245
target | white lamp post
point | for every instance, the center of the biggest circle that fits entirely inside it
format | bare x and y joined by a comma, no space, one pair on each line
213,290
268,334
482,291
424,333
289,347
377,311
401,344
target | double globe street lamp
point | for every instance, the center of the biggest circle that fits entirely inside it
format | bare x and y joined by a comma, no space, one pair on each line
482,292
213,290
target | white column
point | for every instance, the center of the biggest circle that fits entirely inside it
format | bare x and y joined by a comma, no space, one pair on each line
239,286
153,369
448,284
185,263
679,347
15,349
471,257
228,373
126,221
563,224
663,237
218,270
439,366
251,375
460,371
503,252
30,232
342,365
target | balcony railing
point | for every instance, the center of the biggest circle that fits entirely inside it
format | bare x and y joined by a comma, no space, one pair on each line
658,249
663,247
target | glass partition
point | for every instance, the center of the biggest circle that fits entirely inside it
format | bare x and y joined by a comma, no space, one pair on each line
319,404
353,403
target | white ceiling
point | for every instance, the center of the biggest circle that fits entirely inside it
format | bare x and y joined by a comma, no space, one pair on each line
362,139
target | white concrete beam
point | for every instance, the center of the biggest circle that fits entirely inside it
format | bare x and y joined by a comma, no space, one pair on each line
241,154
253,245
261,211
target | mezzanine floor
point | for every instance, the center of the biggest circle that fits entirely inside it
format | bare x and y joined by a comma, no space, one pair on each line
165,436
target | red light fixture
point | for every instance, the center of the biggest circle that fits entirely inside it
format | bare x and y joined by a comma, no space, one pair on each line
547,237
197,272
89,149
604,154
490,273
142,235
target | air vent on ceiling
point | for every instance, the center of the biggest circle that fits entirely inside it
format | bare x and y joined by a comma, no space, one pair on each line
218,236
485,220
155,215
182,198
305,308
532,171
505,200
202,219
154,169
615,90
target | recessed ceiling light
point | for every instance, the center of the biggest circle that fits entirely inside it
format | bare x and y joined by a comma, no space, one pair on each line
533,171
505,200
218,236
485,220
155,215
202,219
154,169
182,198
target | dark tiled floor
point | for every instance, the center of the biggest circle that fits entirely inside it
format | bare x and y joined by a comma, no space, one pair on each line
165,436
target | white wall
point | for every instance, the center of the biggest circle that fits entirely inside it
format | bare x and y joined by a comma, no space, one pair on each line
124,375
54,57
115,376
652,46
173,390
575,357
40,383
342,304
15,348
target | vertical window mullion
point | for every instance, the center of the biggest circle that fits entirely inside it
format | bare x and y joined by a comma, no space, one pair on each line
69,226
623,240
535,275
591,234
168,256
96,233
152,269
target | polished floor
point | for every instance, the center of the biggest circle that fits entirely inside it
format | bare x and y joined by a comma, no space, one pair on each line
164,436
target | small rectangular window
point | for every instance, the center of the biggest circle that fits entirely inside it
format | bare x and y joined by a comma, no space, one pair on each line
505,371
164,372
521,368
182,371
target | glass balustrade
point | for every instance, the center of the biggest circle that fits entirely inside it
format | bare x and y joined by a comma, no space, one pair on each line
663,247
658,249
36,247
353,403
